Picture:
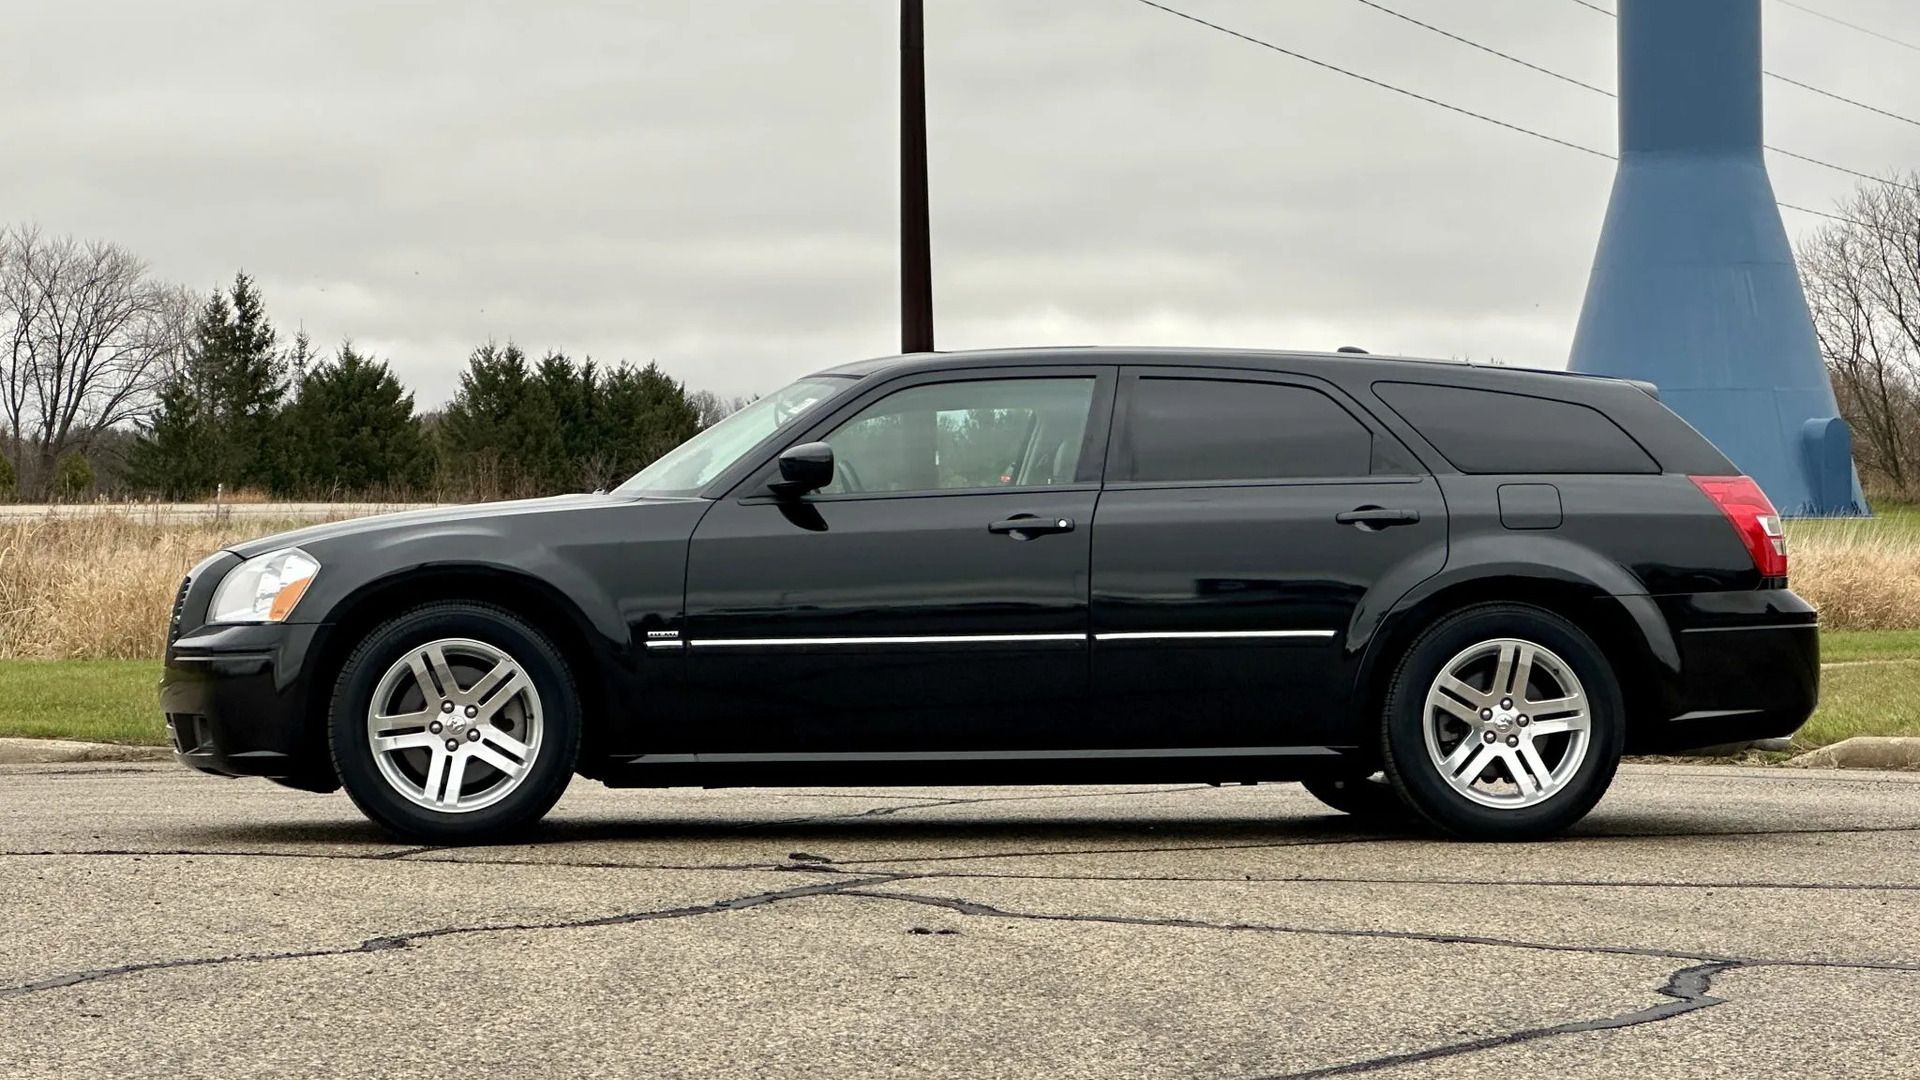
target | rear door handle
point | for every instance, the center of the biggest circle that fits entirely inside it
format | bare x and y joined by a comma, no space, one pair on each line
1028,526
1370,518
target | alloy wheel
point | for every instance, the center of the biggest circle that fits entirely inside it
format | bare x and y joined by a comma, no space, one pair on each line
1507,723
455,725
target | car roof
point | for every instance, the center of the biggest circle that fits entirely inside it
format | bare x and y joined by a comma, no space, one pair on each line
1096,354
1351,362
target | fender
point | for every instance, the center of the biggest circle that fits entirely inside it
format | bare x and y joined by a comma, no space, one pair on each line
1595,592
407,558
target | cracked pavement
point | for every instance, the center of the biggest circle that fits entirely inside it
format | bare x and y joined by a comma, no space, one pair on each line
1704,921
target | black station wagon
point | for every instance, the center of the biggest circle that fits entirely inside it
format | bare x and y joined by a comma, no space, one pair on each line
1443,592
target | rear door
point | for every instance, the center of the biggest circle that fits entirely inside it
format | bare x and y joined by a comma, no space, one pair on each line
1249,519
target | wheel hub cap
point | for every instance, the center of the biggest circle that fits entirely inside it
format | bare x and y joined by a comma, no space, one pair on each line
455,725
1507,723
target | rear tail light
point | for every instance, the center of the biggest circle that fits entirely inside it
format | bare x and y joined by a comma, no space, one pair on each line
1753,517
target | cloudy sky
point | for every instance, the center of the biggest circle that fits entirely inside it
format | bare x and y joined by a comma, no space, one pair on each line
712,184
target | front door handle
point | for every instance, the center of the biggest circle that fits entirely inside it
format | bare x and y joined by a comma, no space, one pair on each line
1370,518
1028,526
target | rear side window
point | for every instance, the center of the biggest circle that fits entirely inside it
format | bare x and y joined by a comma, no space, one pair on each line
1217,429
1486,431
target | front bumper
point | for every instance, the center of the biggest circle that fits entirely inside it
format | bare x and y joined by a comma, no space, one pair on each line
237,699
1745,666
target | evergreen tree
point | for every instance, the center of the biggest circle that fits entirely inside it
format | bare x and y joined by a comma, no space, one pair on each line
173,455
574,392
9,485
356,431
501,436
247,380
72,477
218,420
643,413
516,428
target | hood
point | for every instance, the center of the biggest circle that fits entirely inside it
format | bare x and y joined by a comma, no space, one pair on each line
470,514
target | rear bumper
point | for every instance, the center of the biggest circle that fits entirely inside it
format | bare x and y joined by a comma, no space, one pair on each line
235,699
1743,666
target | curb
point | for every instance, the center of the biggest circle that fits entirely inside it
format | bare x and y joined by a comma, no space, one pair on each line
1864,752
67,751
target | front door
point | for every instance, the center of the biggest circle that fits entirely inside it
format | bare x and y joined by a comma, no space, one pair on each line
932,598
1248,521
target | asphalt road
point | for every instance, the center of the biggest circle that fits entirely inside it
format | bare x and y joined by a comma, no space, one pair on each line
1704,922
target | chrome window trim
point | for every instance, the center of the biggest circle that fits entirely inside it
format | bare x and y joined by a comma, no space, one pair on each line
1203,635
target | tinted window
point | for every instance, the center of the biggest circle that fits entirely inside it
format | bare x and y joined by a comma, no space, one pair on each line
1214,429
1485,431
948,436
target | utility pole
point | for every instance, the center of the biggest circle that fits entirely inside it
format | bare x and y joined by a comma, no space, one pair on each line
916,240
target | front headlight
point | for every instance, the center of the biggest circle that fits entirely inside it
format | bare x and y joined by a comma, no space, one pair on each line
264,588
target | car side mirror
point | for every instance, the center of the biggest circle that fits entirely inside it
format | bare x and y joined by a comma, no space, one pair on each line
804,468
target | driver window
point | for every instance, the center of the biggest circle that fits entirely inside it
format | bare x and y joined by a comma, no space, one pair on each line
964,435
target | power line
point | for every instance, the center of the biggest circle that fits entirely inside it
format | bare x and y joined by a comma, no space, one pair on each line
1470,113
1841,169
1377,83
1842,98
1851,26
1848,100
1823,213
1470,43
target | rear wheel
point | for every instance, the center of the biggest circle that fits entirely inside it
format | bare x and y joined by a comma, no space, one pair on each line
1503,722
455,722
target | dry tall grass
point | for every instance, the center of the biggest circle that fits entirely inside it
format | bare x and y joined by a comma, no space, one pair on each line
101,584
1861,574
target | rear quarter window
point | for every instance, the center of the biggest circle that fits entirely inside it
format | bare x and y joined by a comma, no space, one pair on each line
1490,431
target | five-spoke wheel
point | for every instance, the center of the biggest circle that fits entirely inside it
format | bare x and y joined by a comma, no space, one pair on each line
1503,721
455,722
1507,723
455,725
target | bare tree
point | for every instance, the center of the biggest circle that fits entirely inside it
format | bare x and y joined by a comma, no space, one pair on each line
86,335
1862,277
713,408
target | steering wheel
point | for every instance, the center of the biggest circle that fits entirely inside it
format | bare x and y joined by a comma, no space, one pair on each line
848,476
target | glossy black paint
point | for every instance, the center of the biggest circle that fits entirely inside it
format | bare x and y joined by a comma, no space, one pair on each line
637,591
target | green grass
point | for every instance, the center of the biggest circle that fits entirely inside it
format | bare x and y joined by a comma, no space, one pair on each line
1871,687
113,701
1840,646
1865,699
1890,519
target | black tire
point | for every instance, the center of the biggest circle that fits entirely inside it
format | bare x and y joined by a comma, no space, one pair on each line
1414,774
547,775
1367,798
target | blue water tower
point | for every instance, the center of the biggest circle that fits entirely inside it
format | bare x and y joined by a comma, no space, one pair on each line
1694,286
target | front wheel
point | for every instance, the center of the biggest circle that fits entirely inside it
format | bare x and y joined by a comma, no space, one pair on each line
1503,722
455,723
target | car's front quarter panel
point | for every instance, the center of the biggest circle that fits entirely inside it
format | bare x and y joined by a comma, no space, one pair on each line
247,699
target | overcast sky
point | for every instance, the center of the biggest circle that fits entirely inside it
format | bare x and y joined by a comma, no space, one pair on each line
713,184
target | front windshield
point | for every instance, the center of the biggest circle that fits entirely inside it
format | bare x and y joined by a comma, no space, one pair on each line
693,464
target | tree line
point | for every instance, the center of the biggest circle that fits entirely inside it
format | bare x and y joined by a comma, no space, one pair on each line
111,382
